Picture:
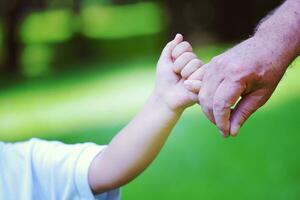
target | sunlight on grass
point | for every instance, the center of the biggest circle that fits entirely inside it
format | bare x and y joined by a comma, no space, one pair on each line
289,87
110,22
103,100
93,99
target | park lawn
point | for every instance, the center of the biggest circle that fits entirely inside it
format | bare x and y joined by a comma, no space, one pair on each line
196,162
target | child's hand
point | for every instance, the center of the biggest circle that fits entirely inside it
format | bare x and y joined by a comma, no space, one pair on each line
176,64
149,130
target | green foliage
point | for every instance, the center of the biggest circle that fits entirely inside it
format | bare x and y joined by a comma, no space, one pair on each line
36,60
49,26
110,22
96,21
98,2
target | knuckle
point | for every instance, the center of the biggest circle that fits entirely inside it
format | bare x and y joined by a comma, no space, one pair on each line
190,55
184,73
208,106
184,43
236,69
202,100
176,68
219,105
174,54
209,74
169,44
219,64
187,45
193,97
244,113
217,60
197,62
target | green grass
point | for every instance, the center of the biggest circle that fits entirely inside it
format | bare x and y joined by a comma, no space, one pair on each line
196,162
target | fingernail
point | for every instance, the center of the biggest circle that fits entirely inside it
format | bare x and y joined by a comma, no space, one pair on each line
188,84
188,81
235,130
178,35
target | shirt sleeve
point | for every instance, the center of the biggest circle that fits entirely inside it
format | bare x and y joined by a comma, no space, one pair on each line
61,170
82,168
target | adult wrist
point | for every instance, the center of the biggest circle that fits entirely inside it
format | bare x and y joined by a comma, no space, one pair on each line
275,51
281,36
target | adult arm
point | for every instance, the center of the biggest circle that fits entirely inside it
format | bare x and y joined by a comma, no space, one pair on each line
250,71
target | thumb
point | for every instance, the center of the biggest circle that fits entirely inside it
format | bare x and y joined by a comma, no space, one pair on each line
167,51
193,85
244,109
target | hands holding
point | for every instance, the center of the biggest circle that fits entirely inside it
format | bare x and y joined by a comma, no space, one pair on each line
244,76
233,85
241,80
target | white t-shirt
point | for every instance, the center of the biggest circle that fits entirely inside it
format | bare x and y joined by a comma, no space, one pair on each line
46,170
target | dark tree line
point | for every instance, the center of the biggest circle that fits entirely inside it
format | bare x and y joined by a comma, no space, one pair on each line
226,20
12,12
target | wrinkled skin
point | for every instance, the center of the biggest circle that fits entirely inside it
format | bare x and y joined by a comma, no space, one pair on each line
247,74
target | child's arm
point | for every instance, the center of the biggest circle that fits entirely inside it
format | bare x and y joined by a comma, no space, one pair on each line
136,146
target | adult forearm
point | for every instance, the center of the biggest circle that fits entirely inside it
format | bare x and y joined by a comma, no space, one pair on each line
135,147
281,31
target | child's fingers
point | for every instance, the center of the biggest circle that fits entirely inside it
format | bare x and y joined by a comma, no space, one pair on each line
181,48
184,59
167,51
198,74
193,85
191,67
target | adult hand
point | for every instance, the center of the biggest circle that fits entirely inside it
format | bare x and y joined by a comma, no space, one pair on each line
250,71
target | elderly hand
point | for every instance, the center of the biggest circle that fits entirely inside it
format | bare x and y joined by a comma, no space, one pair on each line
250,71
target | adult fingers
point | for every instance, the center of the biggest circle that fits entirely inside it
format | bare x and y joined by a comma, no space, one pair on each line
191,67
225,97
181,48
244,109
167,51
210,82
193,85
182,61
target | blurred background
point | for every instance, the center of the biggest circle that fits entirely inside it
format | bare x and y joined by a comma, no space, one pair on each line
78,70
